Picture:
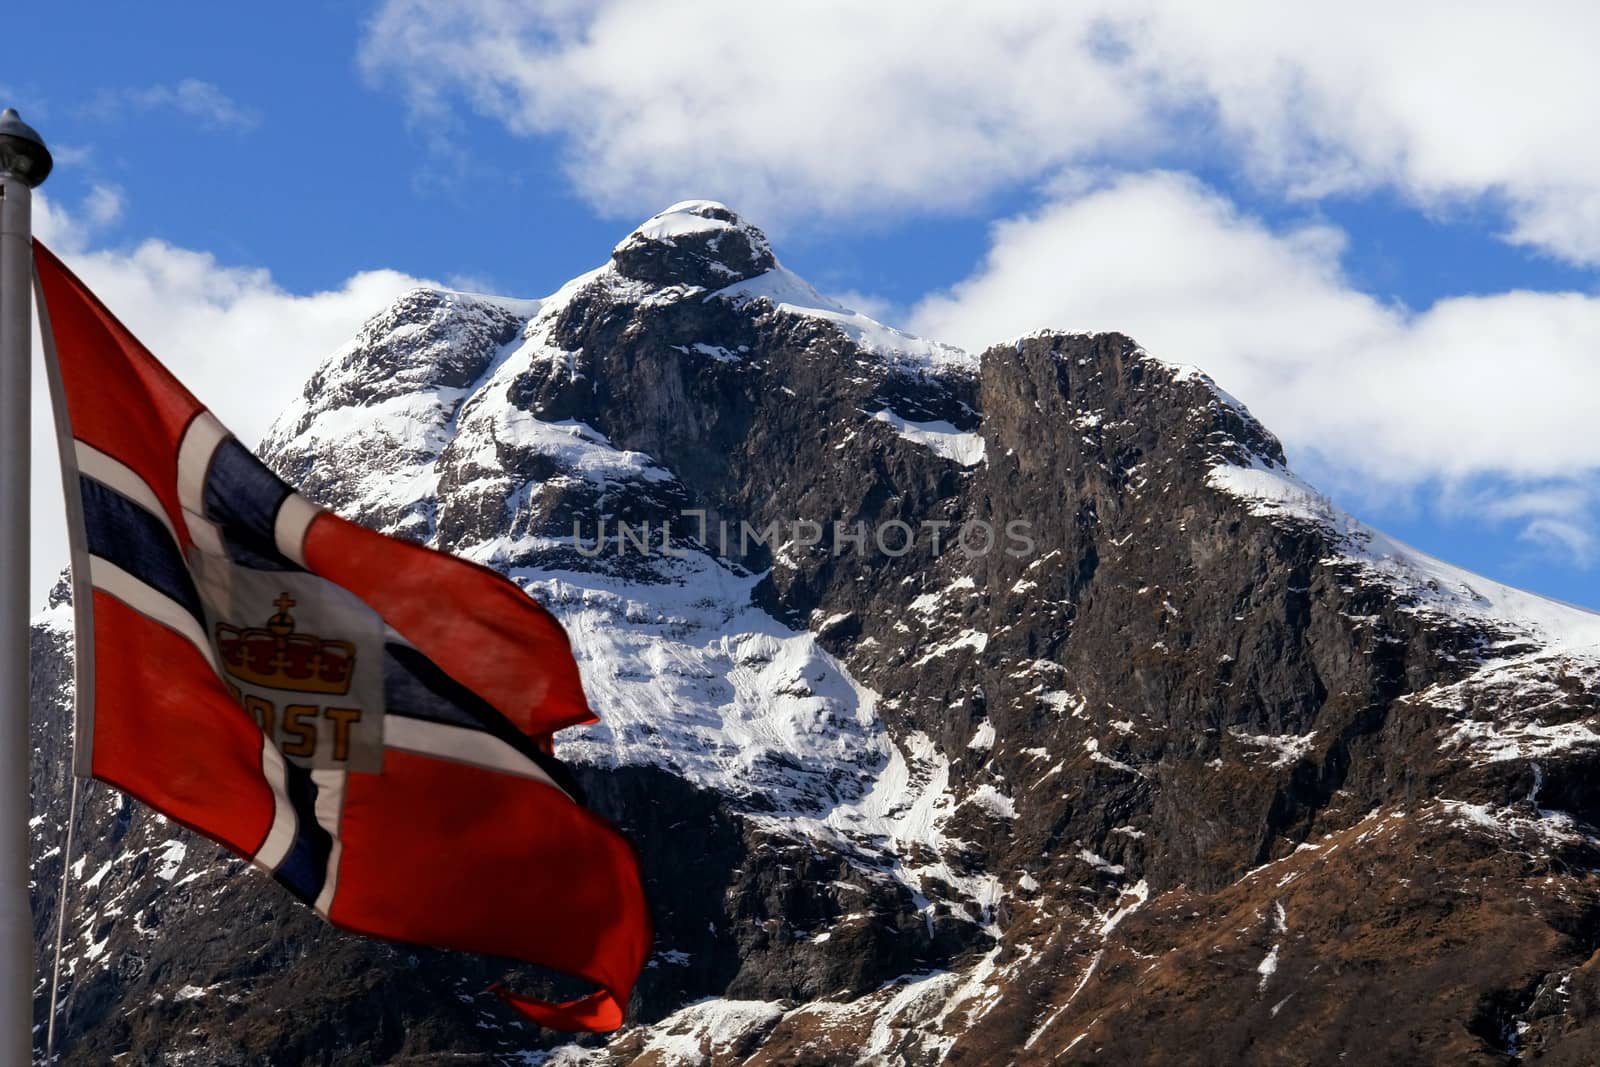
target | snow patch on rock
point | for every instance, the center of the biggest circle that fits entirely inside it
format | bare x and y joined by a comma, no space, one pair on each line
939,437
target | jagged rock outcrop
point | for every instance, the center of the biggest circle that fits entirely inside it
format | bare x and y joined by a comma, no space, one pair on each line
1021,708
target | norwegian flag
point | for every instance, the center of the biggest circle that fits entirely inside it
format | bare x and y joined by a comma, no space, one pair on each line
366,719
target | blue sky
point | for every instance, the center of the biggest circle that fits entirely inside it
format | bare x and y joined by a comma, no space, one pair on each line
1379,285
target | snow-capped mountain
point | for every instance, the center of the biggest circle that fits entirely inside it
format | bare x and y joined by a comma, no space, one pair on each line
1013,708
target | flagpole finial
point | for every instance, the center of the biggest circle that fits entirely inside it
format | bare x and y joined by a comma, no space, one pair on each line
22,150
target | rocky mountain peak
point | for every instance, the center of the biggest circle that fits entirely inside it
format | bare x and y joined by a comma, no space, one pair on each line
1016,708
694,243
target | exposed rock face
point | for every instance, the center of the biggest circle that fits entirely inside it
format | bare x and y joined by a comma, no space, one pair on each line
1015,709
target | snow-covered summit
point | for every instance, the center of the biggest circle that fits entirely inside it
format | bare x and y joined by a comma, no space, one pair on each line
697,243
705,245
688,217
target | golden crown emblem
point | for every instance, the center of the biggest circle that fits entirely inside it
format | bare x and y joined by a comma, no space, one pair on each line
275,657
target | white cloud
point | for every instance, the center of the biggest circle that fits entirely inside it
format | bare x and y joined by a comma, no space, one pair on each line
1442,101
842,108
71,230
70,155
199,100
1557,516
1566,540
1565,501
847,109
103,206
241,343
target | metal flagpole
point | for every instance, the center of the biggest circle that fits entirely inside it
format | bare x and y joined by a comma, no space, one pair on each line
24,163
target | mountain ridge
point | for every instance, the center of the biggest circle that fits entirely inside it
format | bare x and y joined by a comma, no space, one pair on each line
943,805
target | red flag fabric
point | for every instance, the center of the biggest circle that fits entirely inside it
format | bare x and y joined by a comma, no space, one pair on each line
366,719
